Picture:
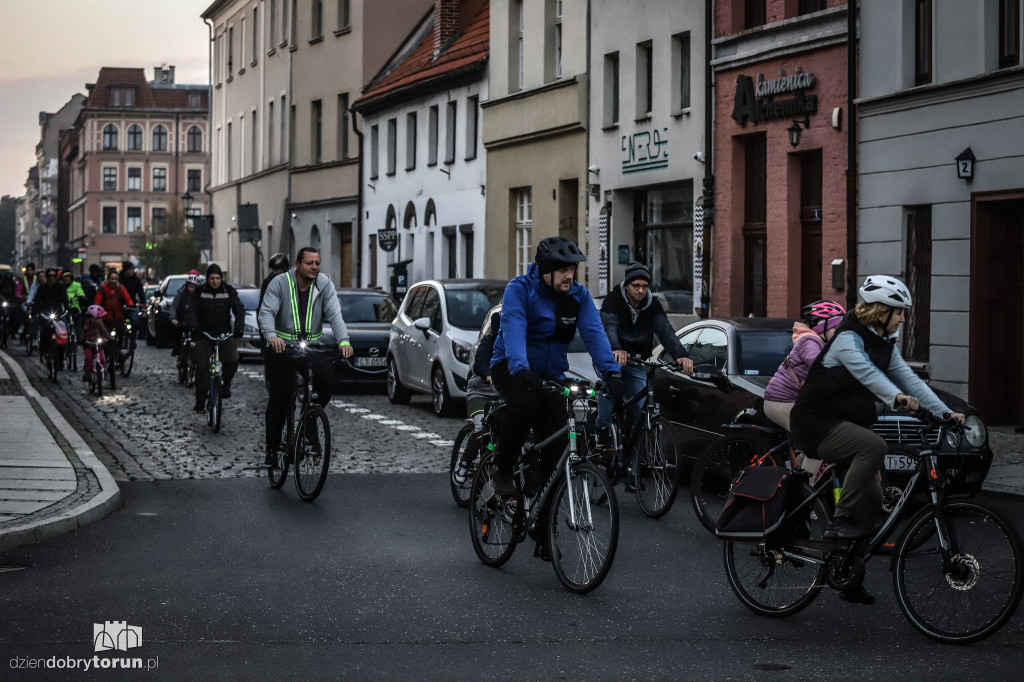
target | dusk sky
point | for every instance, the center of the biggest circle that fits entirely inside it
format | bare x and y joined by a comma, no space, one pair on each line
49,50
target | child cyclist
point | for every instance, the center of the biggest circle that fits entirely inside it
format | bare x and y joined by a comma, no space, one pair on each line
93,333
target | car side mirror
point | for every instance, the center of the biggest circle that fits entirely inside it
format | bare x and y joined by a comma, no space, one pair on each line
423,324
713,375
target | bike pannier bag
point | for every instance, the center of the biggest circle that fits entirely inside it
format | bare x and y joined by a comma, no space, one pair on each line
756,504
60,333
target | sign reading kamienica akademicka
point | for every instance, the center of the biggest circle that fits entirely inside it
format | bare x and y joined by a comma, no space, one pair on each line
756,101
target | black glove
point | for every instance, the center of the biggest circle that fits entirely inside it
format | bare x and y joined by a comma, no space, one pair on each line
237,334
525,377
614,386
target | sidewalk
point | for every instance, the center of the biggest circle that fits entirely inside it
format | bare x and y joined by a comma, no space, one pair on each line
50,480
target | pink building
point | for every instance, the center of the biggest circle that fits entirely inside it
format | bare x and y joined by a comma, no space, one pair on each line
135,149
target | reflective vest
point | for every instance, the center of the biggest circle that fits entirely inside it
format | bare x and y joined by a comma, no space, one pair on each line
302,330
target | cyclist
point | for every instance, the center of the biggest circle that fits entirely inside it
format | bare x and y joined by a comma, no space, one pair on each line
294,308
278,265
112,297
479,391
210,312
632,316
834,410
51,298
26,283
93,331
136,290
76,297
539,316
180,307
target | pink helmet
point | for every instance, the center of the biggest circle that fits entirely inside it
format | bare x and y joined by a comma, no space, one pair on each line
96,311
817,315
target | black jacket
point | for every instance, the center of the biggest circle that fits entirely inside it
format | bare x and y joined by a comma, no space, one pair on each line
210,310
633,329
136,289
50,299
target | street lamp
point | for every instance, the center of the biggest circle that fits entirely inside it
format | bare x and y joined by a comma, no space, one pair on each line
186,201
795,130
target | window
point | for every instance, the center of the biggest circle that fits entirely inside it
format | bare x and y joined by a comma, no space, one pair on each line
110,220
110,178
134,137
122,97
159,179
923,42
134,179
194,100
159,219
134,221
342,141
1009,33
755,213
665,220
392,145
271,158
450,121
810,6
272,24
254,136
284,129
472,124
753,14
432,136
194,140
410,140
515,62
681,72
231,52
644,80
255,36
374,144
109,137
524,224
159,139
294,32
316,132
916,329
344,15
611,89
241,47
318,20
194,180
556,37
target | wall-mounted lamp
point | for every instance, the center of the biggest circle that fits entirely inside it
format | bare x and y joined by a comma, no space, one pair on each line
795,130
186,201
595,170
965,164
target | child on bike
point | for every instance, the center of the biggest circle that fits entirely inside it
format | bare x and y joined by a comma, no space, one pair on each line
93,332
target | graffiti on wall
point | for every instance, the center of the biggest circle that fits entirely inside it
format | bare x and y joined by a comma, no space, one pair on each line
644,151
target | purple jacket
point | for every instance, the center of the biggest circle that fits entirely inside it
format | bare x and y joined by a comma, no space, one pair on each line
783,387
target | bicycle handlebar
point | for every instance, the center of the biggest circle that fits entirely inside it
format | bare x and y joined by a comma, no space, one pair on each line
222,337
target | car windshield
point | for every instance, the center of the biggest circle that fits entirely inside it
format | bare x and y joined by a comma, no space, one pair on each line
370,307
467,308
173,285
761,351
250,298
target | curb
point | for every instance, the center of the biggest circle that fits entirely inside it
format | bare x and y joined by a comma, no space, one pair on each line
100,505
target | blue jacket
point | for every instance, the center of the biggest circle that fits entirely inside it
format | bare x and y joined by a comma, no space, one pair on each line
528,323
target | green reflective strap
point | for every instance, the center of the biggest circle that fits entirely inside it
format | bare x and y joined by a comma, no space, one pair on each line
344,343
293,296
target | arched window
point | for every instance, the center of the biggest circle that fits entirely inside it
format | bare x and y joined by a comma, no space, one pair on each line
135,137
409,221
195,139
159,139
314,237
430,215
110,136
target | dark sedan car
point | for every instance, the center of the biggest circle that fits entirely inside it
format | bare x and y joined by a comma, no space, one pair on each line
735,358
368,314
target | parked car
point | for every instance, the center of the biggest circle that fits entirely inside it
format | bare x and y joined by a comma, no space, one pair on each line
733,361
250,347
158,311
368,315
432,336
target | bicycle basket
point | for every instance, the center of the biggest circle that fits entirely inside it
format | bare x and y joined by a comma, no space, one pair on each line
756,504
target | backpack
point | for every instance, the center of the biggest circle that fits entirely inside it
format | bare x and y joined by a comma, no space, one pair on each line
756,504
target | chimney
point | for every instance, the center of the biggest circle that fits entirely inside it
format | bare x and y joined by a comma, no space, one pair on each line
163,75
446,23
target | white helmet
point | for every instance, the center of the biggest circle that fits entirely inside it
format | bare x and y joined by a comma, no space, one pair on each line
194,278
887,290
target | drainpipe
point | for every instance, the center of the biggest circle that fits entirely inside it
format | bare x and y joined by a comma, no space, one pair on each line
709,156
358,238
586,165
209,132
851,154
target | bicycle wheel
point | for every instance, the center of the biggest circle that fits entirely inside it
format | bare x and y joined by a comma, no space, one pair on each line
714,471
983,588
312,452
461,491
214,411
182,370
128,360
767,581
277,475
97,381
73,357
655,467
112,368
490,518
583,528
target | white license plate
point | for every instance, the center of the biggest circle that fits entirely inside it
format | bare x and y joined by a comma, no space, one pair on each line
899,463
370,362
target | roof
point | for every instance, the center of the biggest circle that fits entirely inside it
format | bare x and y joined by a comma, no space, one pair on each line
466,54
146,95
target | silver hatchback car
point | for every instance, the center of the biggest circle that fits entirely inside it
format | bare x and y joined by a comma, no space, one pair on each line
432,337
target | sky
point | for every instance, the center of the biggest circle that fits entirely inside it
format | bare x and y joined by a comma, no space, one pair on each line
49,50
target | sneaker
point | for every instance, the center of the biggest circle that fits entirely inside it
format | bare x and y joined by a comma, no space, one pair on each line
504,486
270,457
541,551
856,594
200,406
845,528
603,438
226,391
461,474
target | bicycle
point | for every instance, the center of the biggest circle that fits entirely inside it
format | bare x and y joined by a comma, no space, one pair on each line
306,434
481,441
112,357
577,500
28,333
99,366
5,323
215,397
648,459
958,566
185,365
71,350
53,357
128,343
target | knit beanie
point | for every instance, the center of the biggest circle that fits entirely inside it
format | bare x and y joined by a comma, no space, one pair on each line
213,269
635,271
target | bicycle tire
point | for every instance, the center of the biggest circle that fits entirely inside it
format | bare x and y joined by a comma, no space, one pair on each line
656,473
715,470
949,607
190,382
312,452
765,581
97,380
583,554
182,370
490,519
214,413
460,492
277,475
128,361
112,370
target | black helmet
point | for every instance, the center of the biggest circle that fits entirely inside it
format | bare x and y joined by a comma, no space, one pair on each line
554,253
279,261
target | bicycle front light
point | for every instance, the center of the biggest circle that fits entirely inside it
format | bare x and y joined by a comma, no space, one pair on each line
302,345
975,431
461,352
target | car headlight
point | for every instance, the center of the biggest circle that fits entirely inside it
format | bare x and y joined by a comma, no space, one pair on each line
975,431
461,352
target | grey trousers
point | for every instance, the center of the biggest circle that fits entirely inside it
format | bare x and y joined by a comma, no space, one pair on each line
865,450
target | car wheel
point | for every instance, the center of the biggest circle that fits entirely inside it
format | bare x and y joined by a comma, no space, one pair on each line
439,391
397,393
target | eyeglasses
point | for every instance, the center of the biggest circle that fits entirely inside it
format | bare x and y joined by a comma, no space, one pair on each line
51,274
639,287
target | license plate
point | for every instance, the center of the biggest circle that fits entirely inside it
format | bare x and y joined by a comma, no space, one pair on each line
370,362
899,463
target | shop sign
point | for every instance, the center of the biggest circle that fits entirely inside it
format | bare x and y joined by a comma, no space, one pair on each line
645,151
387,239
756,101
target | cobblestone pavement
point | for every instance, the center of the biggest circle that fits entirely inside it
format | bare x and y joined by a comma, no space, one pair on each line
145,429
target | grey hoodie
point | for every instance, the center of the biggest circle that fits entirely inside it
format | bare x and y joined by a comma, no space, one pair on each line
275,314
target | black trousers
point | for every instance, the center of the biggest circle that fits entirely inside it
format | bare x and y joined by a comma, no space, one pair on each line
280,372
527,406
